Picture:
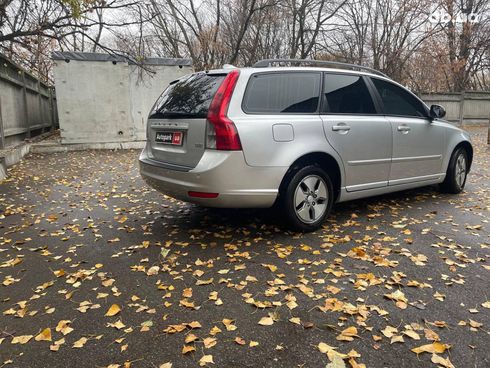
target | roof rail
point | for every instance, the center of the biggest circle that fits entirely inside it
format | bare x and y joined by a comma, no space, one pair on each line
334,64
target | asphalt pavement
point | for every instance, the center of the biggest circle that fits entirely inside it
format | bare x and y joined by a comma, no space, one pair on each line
98,270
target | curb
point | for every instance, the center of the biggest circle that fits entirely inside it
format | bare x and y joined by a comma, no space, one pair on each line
12,156
58,147
3,168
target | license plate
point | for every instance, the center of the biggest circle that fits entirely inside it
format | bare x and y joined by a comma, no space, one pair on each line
174,138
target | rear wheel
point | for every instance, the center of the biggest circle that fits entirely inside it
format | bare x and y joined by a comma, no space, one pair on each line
307,198
456,172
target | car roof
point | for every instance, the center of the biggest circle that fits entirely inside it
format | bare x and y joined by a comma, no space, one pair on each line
272,69
311,68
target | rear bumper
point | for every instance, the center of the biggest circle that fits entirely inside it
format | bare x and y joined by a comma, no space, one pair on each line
224,172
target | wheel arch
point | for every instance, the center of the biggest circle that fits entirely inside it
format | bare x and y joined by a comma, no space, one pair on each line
324,160
469,150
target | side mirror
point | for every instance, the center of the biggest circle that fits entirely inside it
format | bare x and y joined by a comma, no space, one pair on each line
437,112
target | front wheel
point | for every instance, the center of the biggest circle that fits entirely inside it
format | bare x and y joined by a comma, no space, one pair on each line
307,199
456,172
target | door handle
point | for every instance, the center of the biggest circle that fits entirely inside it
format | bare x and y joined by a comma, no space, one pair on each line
337,128
403,128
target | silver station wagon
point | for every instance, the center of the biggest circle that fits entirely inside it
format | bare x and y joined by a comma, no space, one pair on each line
300,135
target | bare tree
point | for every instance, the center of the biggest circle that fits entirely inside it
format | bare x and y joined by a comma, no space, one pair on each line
30,29
468,39
384,34
306,20
398,37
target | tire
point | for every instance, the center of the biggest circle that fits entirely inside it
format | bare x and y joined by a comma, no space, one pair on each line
456,173
311,188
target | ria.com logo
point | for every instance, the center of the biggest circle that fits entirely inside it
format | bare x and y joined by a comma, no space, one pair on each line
441,16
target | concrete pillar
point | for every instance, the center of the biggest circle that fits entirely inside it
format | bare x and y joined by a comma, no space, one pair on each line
488,132
461,109
40,103
2,134
26,107
51,110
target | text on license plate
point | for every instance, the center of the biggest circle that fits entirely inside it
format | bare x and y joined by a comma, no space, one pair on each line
174,138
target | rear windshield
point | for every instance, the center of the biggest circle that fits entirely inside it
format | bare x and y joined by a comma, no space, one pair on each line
189,97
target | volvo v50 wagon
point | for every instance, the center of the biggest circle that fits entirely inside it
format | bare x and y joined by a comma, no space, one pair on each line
298,137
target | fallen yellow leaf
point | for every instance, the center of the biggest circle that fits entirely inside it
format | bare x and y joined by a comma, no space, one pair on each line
205,360
435,347
389,331
187,349
153,270
330,351
190,338
209,342
475,324
118,325
23,339
266,321
337,362
113,310
397,338
194,324
348,334
56,345
399,298
204,282
45,335
436,359
80,342
239,340
411,333
187,293
63,327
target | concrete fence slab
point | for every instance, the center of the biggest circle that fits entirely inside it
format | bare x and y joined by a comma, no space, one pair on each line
107,99
465,108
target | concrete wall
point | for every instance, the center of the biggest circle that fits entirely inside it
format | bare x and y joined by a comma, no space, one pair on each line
145,90
102,101
466,108
26,105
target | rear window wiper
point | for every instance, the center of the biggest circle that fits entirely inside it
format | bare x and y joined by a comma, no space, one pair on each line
178,114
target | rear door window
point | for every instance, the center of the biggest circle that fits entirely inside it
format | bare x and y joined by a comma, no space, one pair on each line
189,97
282,93
347,94
397,101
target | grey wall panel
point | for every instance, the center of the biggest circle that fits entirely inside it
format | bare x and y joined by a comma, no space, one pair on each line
104,101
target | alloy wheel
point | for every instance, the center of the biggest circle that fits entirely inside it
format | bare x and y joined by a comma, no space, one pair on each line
460,172
311,198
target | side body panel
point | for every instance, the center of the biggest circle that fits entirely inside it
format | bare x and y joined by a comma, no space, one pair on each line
364,145
261,149
259,135
418,149
454,136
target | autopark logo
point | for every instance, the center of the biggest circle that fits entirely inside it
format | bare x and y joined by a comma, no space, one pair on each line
442,16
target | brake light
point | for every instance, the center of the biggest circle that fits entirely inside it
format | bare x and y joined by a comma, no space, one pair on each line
222,132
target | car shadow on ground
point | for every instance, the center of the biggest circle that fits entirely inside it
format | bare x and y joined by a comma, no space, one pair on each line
270,219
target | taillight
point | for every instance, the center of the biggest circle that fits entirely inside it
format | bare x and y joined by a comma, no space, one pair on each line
222,133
